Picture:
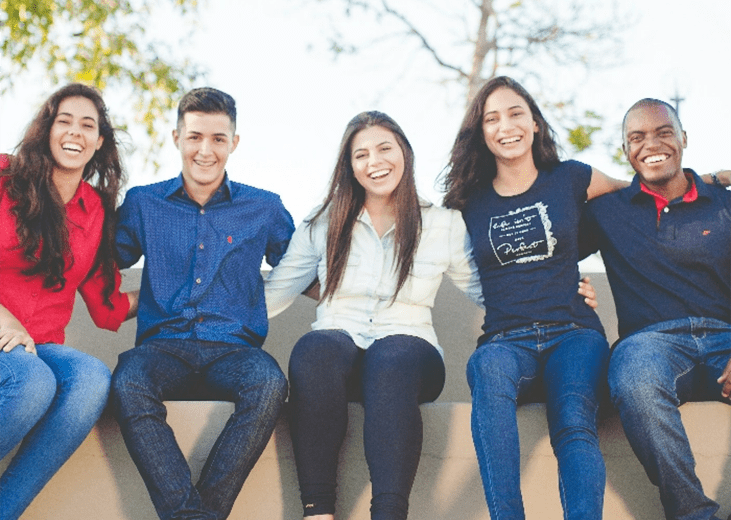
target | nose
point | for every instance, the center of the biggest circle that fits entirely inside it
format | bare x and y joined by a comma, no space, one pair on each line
74,129
205,148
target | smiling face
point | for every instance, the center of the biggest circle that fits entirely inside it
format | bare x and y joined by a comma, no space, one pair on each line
205,141
508,126
377,161
74,136
654,145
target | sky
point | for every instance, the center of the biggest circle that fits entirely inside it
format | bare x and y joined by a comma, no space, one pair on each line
294,98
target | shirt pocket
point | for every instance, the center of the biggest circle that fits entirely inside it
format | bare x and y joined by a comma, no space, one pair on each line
358,278
423,282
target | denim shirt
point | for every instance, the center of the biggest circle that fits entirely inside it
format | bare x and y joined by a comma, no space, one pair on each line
202,273
362,305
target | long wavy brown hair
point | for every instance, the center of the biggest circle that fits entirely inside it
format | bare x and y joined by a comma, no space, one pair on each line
472,164
39,210
346,197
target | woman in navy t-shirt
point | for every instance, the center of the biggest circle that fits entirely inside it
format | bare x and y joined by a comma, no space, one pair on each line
522,207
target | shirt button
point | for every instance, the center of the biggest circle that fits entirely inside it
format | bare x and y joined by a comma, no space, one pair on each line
201,246
666,210
203,212
197,280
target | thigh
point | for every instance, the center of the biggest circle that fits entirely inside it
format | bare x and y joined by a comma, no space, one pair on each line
406,365
153,370
323,361
502,368
27,388
75,370
241,370
646,361
576,364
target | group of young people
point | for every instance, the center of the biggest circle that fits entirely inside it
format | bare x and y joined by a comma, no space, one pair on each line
516,221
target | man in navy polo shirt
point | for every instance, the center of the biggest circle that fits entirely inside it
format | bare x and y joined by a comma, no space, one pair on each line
666,244
202,315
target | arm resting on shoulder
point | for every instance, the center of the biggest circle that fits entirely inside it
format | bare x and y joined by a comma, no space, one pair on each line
601,183
723,176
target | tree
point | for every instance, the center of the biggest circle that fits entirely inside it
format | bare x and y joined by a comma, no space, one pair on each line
102,43
472,41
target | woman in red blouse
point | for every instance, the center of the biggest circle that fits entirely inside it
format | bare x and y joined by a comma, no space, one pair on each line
57,200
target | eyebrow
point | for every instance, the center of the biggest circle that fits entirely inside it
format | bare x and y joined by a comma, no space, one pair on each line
379,144
71,115
662,127
509,108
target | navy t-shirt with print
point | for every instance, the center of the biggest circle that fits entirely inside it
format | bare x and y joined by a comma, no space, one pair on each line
526,249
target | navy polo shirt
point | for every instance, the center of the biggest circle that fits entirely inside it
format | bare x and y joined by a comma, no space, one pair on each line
202,273
668,268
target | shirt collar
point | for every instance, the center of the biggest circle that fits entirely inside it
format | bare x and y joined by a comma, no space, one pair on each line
81,196
176,189
639,192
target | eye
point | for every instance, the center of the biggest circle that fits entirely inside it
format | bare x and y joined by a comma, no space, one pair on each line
220,140
490,119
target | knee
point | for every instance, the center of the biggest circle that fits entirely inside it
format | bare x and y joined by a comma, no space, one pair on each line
316,353
32,383
483,368
268,383
634,386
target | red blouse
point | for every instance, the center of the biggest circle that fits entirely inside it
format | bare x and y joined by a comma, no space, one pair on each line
45,312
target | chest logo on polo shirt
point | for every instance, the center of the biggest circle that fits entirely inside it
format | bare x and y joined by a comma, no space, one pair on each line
523,235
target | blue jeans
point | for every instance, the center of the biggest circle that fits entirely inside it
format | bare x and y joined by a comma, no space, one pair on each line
651,373
51,402
161,370
568,365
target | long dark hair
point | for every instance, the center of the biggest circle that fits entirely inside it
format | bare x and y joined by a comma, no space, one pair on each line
39,209
346,197
472,164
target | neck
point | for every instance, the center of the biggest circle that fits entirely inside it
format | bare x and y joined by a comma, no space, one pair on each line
382,213
200,194
66,184
673,188
515,177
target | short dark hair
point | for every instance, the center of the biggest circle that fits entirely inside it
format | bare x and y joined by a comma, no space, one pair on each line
645,102
209,101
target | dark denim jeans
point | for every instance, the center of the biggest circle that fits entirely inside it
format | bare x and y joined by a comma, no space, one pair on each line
568,365
163,370
391,378
51,401
651,373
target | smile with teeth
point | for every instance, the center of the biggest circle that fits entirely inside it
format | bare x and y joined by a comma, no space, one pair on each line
509,140
70,147
205,164
379,173
655,158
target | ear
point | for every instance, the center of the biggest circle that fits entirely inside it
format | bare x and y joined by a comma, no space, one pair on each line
234,143
685,139
624,151
99,142
176,138
535,127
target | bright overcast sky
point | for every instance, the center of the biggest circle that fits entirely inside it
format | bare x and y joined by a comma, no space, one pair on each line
294,103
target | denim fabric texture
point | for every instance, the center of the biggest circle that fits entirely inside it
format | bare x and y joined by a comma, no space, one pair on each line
651,373
51,401
363,304
566,364
391,378
173,369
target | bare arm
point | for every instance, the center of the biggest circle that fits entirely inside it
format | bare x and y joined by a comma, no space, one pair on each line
134,303
12,333
602,183
723,176
725,380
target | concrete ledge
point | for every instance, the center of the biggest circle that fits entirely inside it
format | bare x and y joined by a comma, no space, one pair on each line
100,482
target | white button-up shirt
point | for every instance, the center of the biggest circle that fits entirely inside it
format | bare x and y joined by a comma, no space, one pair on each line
362,305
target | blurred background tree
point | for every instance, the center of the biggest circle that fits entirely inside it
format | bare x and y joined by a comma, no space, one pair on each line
105,43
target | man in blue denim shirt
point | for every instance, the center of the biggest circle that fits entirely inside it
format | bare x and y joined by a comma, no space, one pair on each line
666,244
202,315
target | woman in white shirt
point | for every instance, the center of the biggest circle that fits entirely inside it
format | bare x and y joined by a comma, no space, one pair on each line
379,253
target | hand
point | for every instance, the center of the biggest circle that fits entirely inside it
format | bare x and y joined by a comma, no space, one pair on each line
13,334
587,291
725,381
134,303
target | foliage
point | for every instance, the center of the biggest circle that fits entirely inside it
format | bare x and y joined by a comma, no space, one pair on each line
104,43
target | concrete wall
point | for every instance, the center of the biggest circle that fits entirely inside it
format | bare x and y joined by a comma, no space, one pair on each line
100,481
